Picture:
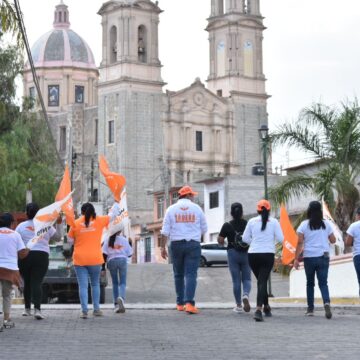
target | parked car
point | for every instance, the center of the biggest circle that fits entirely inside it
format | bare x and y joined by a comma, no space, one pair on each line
60,282
213,253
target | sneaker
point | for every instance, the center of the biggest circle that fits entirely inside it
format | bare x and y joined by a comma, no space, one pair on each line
180,307
8,324
238,309
246,303
191,309
120,304
267,311
328,313
98,313
258,316
27,312
83,315
309,312
38,315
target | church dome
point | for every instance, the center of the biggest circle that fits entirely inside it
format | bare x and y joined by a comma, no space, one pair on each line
62,47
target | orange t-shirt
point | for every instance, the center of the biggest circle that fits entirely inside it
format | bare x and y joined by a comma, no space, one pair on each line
87,241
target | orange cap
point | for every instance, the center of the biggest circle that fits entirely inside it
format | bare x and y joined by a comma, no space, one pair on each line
263,203
187,190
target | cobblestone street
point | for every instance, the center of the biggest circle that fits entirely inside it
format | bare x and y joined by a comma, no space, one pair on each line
166,334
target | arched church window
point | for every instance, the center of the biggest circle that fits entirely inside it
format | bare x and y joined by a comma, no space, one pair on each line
113,44
65,17
60,17
142,54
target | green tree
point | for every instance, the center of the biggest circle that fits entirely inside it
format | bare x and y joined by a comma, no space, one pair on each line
332,136
9,21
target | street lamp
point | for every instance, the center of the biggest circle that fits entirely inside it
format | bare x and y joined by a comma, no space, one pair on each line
264,136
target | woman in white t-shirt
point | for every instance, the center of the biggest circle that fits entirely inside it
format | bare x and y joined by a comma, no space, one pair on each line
353,239
11,248
116,252
34,267
261,232
314,235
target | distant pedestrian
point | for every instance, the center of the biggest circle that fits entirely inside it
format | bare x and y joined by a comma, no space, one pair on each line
314,235
184,224
116,252
34,267
11,249
353,239
88,256
238,259
261,233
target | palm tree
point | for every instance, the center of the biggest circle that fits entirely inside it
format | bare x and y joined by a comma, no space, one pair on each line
9,21
332,136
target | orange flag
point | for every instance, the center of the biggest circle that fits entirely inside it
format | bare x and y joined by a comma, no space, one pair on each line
115,181
65,190
290,237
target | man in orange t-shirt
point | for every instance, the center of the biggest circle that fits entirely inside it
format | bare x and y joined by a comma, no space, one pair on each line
87,257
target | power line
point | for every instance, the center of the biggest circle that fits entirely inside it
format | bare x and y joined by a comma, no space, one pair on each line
35,78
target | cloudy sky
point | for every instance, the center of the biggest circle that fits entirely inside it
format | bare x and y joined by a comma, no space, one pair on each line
311,48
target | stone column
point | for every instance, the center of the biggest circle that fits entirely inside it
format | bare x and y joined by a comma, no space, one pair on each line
104,42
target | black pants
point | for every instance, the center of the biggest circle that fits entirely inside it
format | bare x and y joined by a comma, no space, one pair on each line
261,265
33,269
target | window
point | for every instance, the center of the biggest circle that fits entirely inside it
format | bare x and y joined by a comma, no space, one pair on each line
53,95
62,140
79,94
214,200
113,44
219,92
96,132
32,93
160,207
111,132
142,43
174,197
199,142
148,249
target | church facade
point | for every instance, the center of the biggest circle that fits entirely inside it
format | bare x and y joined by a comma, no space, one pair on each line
158,140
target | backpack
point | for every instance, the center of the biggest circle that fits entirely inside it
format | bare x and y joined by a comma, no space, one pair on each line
238,243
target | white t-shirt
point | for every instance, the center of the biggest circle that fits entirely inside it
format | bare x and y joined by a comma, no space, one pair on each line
184,220
316,242
262,241
122,248
354,231
10,244
26,230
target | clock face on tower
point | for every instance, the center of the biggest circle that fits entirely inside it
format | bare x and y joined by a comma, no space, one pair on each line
248,44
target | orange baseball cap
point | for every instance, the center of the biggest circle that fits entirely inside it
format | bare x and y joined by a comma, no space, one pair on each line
263,203
187,190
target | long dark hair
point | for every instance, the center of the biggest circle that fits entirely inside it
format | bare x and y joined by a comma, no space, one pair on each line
88,211
264,217
236,211
31,210
112,239
315,216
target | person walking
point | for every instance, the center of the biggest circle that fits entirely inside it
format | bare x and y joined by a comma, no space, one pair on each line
261,233
12,248
314,235
238,260
353,239
87,257
34,267
183,225
116,252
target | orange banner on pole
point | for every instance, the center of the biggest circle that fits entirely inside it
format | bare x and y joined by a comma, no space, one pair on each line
65,190
290,237
116,182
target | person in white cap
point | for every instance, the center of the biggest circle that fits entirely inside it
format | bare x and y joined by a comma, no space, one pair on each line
184,224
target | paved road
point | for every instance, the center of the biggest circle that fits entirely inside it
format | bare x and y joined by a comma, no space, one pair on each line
166,334
153,283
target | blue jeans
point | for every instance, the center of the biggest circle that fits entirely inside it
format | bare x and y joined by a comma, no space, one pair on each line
186,259
83,273
118,271
240,273
320,266
357,268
